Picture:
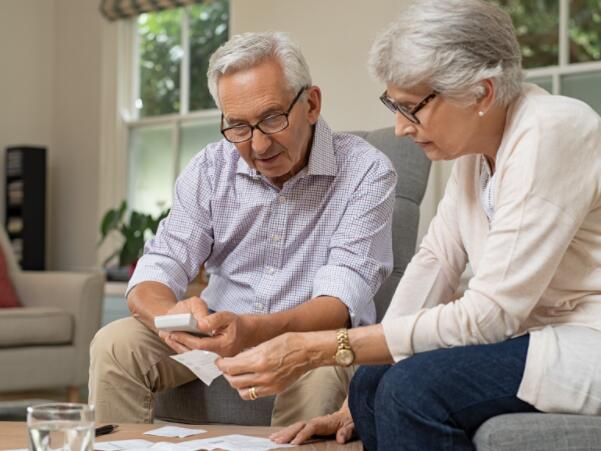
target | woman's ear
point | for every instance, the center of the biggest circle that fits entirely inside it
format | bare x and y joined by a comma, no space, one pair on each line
314,101
487,97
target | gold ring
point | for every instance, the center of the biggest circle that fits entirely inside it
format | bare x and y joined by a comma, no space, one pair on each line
252,393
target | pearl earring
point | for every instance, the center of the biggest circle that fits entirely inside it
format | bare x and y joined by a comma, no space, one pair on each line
481,113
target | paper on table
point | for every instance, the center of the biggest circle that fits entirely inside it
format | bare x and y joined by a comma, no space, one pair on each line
234,442
174,431
118,445
201,363
160,446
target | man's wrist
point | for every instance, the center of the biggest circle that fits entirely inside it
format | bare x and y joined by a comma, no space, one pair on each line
253,326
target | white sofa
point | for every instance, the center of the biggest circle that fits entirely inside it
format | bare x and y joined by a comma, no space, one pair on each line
45,343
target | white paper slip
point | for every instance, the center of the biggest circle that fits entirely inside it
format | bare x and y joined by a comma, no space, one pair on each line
174,431
119,445
249,443
234,442
201,363
160,446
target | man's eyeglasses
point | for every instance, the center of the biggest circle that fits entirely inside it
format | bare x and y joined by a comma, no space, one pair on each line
409,113
269,125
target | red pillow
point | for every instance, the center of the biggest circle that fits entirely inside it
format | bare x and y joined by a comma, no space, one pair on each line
8,295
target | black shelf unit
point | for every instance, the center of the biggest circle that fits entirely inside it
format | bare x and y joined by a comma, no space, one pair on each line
25,204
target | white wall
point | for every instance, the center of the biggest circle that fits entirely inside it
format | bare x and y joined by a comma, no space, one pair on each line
76,124
26,76
49,95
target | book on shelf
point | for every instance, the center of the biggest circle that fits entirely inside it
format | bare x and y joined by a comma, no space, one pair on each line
14,225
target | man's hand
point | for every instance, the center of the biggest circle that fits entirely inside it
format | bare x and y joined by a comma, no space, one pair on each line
199,310
339,423
273,365
231,334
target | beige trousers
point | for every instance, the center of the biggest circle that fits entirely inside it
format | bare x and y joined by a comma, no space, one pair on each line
129,363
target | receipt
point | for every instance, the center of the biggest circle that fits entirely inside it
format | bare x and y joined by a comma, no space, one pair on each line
201,363
174,431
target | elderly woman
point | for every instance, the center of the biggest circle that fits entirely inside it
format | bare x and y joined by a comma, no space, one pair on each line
522,207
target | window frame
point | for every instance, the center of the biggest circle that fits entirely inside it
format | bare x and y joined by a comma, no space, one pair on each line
174,121
563,66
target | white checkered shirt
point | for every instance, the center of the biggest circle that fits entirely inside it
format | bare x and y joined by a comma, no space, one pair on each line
327,232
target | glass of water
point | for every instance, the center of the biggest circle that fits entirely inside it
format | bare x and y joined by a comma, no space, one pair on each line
61,427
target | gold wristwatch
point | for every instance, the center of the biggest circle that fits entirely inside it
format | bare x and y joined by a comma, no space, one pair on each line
344,354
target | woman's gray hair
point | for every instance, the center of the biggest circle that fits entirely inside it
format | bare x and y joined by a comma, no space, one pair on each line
247,50
451,45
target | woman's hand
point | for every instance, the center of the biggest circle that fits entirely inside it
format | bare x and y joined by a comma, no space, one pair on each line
273,365
339,423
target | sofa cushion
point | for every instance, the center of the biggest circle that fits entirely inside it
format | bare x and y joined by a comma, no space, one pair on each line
8,295
35,326
539,432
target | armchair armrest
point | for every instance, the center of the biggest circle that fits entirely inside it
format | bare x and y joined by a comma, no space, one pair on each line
80,294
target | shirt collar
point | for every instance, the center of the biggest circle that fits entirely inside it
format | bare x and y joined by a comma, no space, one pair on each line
322,159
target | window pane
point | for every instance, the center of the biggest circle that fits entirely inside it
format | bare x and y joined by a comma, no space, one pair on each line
160,58
544,82
150,174
195,136
584,87
537,27
208,30
585,30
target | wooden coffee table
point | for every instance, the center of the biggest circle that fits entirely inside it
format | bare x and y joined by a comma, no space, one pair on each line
13,435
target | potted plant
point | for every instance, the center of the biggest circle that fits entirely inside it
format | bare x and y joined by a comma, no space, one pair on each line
134,231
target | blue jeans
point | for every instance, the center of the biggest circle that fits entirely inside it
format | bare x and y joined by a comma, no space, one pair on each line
437,400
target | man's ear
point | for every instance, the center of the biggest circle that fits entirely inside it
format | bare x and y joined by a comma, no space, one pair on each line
314,102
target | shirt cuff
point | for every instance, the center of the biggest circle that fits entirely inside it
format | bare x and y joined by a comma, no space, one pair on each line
158,268
398,332
346,285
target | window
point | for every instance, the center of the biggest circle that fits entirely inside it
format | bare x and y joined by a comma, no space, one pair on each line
561,45
171,115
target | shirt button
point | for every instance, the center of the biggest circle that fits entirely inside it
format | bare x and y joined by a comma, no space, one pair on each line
282,199
276,238
270,270
259,306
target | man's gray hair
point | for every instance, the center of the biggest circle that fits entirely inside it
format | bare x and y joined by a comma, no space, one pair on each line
247,50
451,46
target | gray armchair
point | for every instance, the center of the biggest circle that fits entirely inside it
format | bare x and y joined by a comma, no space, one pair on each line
45,344
195,403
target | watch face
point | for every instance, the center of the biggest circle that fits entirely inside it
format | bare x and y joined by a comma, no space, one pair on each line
345,357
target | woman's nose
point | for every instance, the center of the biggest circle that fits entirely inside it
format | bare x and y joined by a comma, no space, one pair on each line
403,126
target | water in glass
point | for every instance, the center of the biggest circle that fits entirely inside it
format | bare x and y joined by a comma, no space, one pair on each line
61,427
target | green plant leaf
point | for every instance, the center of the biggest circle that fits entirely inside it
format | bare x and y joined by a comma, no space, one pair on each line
135,231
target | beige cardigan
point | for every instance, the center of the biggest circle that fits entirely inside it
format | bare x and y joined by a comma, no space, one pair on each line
537,266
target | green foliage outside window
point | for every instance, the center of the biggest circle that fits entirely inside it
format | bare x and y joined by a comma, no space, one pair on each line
161,53
537,26
208,30
585,30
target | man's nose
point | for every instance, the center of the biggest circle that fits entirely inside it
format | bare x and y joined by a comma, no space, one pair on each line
260,141
403,126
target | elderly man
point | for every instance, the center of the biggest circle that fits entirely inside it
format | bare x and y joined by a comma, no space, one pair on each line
292,223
